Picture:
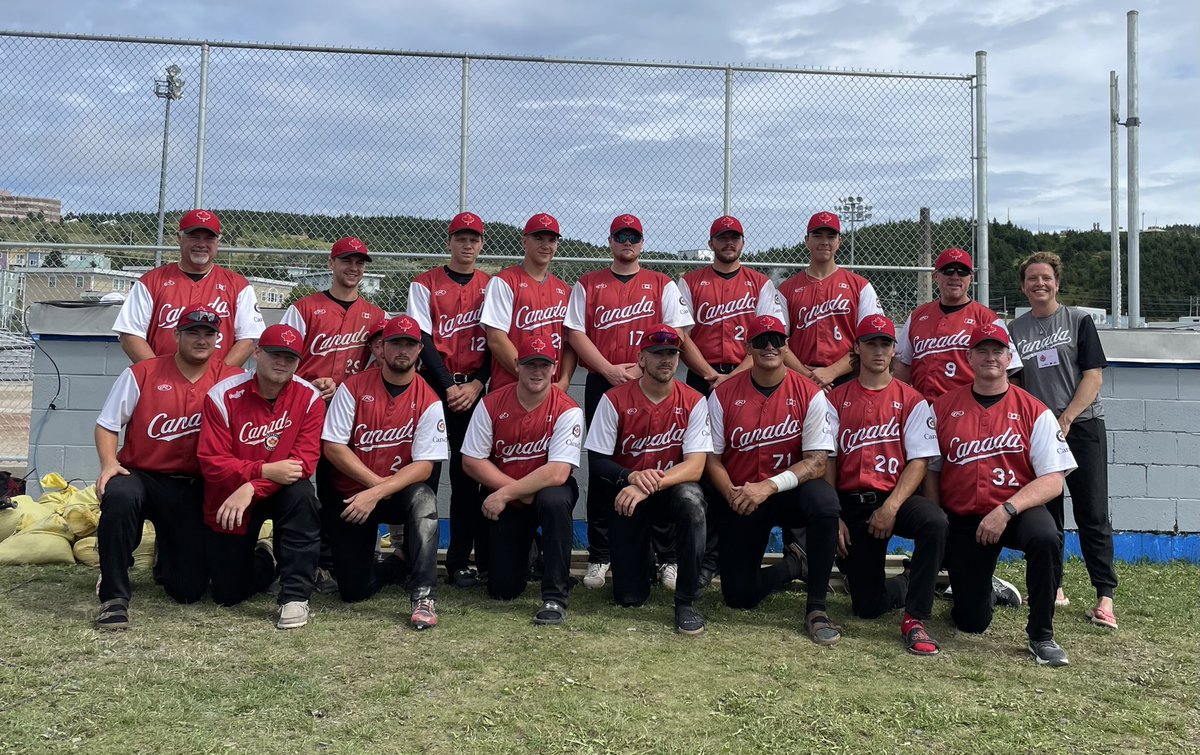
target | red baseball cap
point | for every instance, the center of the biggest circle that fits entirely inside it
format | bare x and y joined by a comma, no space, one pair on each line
724,224
465,221
199,316
621,222
661,338
764,324
542,222
376,328
281,339
402,327
200,219
348,245
988,332
953,256
875,326
537,348
824,220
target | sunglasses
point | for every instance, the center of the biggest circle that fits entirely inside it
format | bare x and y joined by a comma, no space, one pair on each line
202,318
958,270
661,338
775,340
627,237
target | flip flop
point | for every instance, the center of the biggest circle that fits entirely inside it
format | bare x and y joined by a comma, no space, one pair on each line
1102,618
822,630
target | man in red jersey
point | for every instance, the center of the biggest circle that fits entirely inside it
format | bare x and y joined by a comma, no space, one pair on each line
155,476
931,353
447,303
525,301
383,433
522,445
335,323
156,300
260,439
647,444
723,299
823,306
609,311
1003,457
885,439
770,446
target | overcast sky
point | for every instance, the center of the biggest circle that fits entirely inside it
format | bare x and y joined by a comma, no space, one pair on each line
1048,71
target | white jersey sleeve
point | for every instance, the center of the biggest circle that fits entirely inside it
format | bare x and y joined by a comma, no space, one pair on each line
1048,449
478,442
868,302
135,314
716,423
835,429
429,440
685,294
576,318
920,433
602,435
339,417
817,434
697,439
904,351
676,312
497,306
248,321
418,307
122,400
292,317
565,442
770,303
1014,359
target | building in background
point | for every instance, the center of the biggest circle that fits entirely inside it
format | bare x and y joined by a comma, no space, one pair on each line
13,207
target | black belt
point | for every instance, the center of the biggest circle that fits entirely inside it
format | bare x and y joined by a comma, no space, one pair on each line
866,497
462,378
724,369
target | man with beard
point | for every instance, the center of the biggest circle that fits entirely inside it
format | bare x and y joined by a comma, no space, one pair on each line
383,433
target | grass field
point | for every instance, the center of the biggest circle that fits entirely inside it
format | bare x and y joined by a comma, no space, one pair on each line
198,679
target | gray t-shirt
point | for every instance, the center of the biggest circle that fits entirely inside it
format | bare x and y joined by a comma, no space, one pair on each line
1054,352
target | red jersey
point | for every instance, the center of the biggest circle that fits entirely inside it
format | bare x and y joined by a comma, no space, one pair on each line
723,308
878,432
335,338
934,344
613,313
523,308
823,314
240,431
450,313
159,297
517,441
640,434
159,410
387,433
760,436
988,454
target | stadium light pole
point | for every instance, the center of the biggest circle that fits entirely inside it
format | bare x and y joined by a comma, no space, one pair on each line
169,89
854,211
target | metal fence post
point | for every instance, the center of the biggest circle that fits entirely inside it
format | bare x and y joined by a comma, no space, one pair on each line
981,209
198,200
1133,227
162,184
464,118
727,189
1114,120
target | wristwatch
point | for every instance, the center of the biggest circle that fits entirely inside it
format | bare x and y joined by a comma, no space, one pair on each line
1011,509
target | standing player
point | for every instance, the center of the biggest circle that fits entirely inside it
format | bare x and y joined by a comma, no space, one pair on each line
383,433
1063,360
608,313
1003,458
522,445
157,402
648,443
885,439
260,439
770,446
823,306
525,301
447,303
724,298
157,299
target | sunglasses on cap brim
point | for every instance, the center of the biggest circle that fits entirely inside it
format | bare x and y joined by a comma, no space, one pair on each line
662,338
200,318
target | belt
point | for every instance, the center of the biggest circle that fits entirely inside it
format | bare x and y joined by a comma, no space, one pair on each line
462,378
724,369
866,497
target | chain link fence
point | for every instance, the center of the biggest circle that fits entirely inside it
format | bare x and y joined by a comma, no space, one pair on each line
295,147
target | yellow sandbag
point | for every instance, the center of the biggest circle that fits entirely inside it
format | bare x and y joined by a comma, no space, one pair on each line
10,519
143,555
56,489
82,518
45,542
268,528
85,551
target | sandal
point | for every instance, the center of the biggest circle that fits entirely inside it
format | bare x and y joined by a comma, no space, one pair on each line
551,612
114,614
822,630
918,636
1102,618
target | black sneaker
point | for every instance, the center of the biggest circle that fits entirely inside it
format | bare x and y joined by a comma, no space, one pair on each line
1048,653
464,578
795,551
688,620
707,575
1005,593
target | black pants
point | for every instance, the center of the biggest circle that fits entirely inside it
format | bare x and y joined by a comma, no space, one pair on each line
512,534
972,566
871,595
468,526
175,505
702,385
744,583
323,478
359,576
238,572
1089,502
682,505
599,509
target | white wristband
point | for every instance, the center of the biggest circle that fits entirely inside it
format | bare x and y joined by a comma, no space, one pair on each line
785,480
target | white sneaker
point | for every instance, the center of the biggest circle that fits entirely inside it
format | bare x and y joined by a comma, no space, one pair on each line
594,579
292,615
668,574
